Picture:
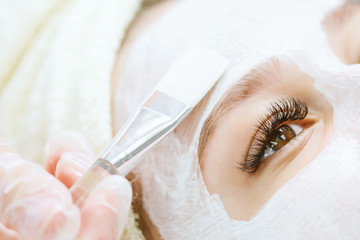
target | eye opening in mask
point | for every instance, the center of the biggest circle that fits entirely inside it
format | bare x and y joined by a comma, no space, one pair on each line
278,120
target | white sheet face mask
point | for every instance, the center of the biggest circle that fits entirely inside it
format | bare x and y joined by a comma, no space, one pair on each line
323,200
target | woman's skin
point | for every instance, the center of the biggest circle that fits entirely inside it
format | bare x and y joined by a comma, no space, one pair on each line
243,194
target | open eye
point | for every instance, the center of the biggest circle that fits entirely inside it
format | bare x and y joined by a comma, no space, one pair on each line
280,137
273,131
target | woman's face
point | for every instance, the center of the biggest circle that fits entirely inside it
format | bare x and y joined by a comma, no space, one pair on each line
269,125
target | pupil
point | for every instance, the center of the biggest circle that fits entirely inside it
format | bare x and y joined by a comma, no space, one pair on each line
281,137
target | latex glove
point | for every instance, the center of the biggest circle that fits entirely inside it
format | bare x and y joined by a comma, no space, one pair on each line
68,155
36,205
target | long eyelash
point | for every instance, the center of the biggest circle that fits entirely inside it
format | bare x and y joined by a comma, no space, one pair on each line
283,110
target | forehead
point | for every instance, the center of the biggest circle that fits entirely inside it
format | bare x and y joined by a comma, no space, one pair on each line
237,27
245,32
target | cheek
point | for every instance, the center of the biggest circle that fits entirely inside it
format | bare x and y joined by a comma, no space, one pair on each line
227,146
222,177
220,169
219,166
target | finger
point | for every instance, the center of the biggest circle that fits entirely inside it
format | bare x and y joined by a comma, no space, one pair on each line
34,203
71,167
8,234
105,212
66,141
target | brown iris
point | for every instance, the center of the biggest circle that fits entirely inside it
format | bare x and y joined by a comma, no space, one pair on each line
281,137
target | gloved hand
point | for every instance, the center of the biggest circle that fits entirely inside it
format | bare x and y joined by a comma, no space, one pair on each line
36,205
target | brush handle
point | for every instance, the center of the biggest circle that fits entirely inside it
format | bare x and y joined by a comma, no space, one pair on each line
82,188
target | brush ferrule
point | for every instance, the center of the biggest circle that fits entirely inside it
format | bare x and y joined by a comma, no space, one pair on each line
158,116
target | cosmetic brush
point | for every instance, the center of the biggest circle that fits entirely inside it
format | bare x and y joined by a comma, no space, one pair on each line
185,83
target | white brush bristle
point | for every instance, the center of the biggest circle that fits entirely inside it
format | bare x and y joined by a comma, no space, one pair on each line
192,75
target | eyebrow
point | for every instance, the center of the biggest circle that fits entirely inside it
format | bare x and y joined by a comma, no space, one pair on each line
250,84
